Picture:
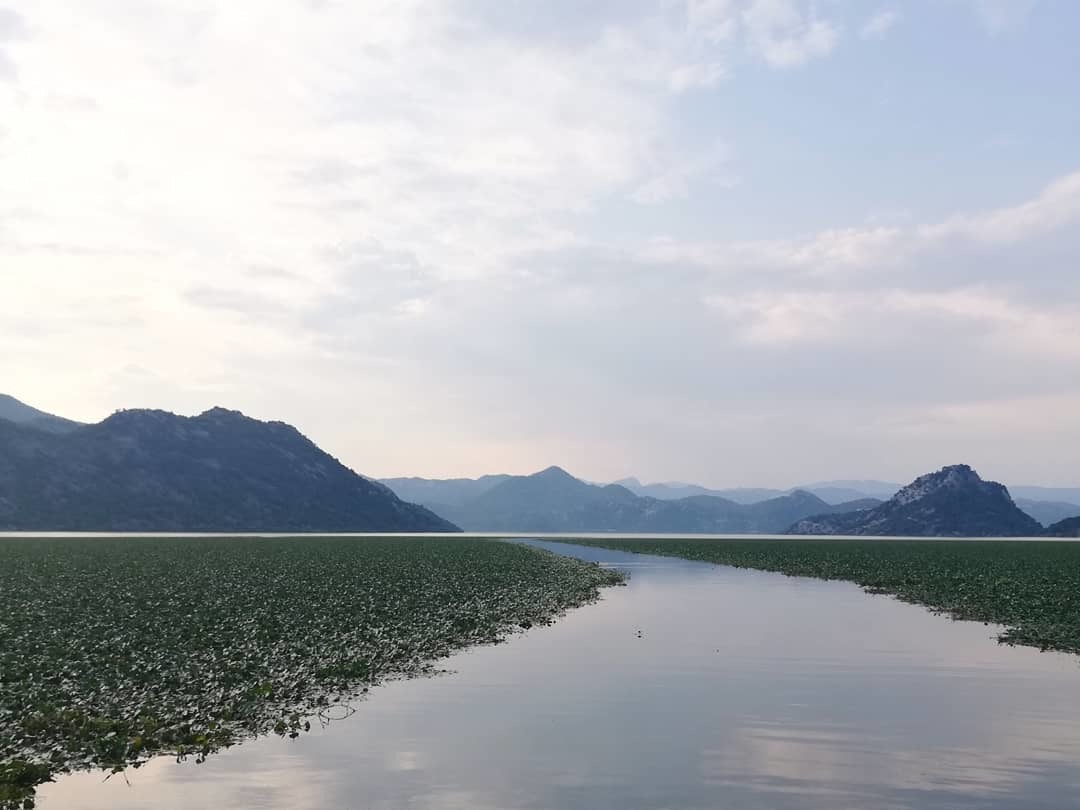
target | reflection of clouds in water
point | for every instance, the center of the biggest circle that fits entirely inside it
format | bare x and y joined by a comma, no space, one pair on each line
404,761
274,781
450,799
854,765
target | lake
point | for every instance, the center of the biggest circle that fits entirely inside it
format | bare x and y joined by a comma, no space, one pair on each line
695,686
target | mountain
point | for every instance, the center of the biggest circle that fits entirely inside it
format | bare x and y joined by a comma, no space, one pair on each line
1069,527
953,502
1066,494
832,492
144,470
438,494
552,500
677,489
22,414
848,489
1047,512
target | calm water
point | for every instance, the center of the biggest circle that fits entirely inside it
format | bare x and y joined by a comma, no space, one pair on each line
696,686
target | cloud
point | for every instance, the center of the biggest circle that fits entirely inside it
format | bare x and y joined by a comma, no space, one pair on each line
1001,15
880,24
443,237
12,27
674,179
715,20
784,35
1057,206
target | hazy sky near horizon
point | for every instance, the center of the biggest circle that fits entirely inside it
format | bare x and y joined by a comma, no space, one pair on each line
737,242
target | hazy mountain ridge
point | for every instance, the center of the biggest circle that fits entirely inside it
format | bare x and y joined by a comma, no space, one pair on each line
832,492
443,491
22,414
552,500
56,474
1047,512
445,496
148,470
952,502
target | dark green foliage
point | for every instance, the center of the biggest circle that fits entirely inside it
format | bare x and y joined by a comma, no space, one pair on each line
217,472
115,649
1031,587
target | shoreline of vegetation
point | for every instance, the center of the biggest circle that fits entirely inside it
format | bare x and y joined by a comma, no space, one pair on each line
113,650
1031,587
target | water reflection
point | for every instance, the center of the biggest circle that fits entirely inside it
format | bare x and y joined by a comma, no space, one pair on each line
694,687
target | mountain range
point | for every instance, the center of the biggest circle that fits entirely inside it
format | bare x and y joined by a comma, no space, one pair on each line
552,500
466,502
832,492
220,471
150,470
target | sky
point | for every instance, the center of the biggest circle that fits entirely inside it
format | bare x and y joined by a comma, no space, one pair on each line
735,242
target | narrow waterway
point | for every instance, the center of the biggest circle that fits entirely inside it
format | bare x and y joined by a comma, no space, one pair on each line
696,686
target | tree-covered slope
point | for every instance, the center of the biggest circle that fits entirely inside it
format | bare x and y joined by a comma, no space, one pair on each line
142,470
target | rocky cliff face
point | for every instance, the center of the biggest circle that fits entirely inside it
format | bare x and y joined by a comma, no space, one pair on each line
952,502
142,470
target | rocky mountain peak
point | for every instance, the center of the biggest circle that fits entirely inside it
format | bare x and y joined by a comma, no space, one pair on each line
953,477
952,502
554,473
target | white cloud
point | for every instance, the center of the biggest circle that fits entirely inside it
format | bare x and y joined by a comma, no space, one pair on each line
327,215
784,35
715,20
12,28
678,172
1056,207
880,24
1000,15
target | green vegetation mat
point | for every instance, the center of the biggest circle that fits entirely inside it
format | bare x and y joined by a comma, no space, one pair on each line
1030,587
112,650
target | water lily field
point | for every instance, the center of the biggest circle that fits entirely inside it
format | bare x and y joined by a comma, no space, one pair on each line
116,649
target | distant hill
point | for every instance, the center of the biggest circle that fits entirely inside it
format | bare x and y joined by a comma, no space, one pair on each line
845,489
1065,528
676,489
438,494
22,414
953,502
833,492
1046,504
1048,512
555,501
143,470
1046,494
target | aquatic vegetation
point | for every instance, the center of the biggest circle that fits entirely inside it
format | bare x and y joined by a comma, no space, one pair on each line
112,650
1031,587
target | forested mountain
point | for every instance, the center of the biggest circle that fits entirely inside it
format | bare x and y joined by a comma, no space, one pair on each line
19,412
145,470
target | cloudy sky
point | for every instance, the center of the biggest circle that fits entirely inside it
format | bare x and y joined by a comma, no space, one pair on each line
739,242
